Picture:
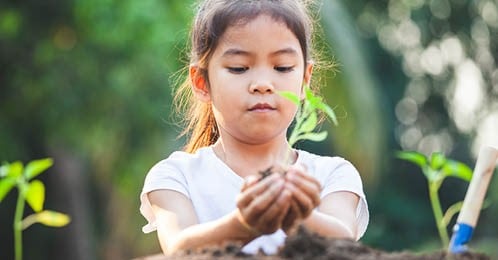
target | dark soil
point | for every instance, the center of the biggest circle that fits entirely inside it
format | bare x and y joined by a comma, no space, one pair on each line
305,245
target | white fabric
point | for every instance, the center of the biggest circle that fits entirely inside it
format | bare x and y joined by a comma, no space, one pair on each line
212,187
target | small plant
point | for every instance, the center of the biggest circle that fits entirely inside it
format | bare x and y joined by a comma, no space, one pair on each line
436,169
306,120
307,116
32,192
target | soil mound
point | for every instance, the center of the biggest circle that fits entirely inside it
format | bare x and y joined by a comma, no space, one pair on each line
306,245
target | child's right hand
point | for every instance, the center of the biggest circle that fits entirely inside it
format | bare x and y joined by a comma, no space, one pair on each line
262,205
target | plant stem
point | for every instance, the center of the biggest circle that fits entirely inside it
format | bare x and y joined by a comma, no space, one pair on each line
438,214
18,225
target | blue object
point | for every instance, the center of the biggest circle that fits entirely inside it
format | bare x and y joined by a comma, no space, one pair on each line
461,236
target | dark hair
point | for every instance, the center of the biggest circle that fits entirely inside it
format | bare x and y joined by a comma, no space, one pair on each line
211,21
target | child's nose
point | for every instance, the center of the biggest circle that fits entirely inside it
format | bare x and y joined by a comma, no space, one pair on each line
261,87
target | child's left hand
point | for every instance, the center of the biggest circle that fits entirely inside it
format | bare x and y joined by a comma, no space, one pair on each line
305,193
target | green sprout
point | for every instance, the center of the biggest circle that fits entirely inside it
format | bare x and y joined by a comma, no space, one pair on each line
32,192
306,120
436,169
307,116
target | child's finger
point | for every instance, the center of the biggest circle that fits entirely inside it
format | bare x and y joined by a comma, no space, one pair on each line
271,219
264,199
306,204
291,218
252,189
306,184
249,181
252,205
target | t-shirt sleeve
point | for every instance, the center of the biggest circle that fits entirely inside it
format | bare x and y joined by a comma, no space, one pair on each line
163,175
345,177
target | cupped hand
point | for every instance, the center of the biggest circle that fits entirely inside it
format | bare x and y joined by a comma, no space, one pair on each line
305,196
263,204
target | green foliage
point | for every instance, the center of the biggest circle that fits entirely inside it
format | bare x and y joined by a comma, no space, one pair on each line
30,191
436,169
307,116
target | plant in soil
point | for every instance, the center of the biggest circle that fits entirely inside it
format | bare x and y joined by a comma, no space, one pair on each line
30,191
436,169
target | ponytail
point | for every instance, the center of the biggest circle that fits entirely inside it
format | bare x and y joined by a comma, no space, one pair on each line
199,122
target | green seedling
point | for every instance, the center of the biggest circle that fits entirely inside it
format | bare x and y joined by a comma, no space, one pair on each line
30,191
436,169
307,116
306,119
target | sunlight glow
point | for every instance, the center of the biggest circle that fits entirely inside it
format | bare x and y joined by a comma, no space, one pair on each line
407,111
436,142
432,60
452,50
410,138
489,13
468,96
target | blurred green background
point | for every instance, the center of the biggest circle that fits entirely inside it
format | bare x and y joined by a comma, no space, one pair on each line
89,83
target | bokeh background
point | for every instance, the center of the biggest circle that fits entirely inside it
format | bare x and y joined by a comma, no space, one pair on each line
89,83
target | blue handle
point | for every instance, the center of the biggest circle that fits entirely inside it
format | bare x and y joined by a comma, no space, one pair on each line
461,236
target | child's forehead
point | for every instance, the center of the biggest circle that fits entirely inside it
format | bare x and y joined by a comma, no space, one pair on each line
255,28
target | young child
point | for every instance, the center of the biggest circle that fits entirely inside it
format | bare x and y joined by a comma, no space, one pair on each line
243,53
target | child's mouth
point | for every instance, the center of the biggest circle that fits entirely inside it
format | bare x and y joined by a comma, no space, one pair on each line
262,107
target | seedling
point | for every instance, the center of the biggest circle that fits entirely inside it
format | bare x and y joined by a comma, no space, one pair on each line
436,169
32,192
306,119
307,116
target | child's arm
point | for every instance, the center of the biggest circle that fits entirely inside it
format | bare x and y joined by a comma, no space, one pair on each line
178,227
336,214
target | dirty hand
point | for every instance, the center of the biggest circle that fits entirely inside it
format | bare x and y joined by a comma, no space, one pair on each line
262,205
305,196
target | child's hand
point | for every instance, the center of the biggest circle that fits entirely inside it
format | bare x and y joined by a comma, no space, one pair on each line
305,196
263,204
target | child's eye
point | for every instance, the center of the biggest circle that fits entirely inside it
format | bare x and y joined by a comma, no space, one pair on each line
237,70
284,68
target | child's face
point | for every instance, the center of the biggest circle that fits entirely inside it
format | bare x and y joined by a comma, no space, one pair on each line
250,64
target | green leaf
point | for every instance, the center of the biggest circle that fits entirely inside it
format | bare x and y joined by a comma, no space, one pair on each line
4,170
315,137
314,101
35,195
290,96
52,218
414,157
46,217
457,169
308,93
437,160
15,169
309,124
329,112
6,184
34,168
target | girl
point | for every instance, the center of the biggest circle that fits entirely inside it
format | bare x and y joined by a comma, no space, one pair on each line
243,53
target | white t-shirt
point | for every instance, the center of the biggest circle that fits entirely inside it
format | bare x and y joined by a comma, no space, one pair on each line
212,187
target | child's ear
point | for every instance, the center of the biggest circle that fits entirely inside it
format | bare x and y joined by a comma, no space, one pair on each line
199,84
308,71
